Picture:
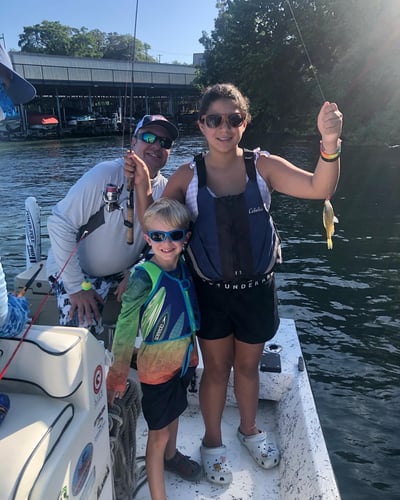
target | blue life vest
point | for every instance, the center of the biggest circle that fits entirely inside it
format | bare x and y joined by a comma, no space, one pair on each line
171,310
234,238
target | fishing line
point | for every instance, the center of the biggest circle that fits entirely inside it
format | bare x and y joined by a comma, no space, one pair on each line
41,305
132,69
133,66
130,183
306,51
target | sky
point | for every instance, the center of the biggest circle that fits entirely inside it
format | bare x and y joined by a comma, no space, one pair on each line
171,27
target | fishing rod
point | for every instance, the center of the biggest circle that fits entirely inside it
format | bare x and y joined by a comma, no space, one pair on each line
23,291
328,215
130,182
306,51
42,304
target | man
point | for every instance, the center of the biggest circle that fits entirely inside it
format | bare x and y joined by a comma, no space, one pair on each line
13,90
98,203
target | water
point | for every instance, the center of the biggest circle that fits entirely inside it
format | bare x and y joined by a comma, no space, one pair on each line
345,302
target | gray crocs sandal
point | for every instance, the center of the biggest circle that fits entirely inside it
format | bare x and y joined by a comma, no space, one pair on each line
216,465
262,449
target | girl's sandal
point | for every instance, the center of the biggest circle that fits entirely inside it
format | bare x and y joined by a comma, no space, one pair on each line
216,465
263,450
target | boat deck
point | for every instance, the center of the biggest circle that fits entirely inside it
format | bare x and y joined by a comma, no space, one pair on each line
286,411
249,480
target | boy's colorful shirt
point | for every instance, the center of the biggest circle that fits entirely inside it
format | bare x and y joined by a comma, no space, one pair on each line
157,362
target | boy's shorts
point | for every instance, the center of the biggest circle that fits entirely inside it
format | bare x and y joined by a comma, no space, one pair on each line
250,314
163,403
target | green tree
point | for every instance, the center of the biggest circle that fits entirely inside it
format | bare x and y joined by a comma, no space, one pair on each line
49,37
256,46
124,46
85,43
289,55
366,77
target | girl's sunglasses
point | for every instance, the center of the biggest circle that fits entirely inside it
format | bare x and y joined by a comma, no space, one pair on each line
150,138
159,236
214,121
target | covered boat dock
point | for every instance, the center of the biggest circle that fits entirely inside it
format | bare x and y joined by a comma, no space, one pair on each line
103,91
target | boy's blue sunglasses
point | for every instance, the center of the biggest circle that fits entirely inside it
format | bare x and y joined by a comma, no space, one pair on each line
159,236
150,138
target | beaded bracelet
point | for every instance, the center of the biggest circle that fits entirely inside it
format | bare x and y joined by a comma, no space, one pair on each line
333,156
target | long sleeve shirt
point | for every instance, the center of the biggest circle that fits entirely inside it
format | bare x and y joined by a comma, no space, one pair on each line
105,251
157,362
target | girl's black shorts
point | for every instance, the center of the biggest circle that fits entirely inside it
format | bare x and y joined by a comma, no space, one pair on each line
250,314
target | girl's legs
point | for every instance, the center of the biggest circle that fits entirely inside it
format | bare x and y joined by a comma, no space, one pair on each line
218,360
246,384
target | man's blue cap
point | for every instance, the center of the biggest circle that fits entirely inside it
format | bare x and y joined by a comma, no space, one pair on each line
19,90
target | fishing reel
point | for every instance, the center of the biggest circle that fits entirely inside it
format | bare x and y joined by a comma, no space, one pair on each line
111,196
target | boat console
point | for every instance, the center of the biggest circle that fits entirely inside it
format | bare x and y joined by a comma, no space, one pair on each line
54,441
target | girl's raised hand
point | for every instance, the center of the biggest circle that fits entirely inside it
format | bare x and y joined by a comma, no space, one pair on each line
330,123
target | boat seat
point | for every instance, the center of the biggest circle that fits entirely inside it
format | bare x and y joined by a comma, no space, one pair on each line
48,362
54,440
35,424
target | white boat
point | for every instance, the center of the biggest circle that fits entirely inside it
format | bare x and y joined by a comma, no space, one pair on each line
54,441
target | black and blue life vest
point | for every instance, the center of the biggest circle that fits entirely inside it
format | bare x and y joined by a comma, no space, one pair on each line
171,310
234,237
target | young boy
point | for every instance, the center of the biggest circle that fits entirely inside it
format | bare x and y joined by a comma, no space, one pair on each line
161,302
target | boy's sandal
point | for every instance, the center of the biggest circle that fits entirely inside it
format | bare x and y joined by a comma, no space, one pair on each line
262,449
184,467
216,465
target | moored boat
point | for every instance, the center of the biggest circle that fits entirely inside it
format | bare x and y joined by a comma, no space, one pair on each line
42,124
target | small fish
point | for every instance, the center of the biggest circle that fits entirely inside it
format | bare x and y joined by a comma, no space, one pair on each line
329,219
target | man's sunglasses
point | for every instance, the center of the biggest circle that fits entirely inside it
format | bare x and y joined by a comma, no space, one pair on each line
214,121
159,236
150,138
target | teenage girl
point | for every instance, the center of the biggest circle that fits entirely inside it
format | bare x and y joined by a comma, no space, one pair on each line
232,253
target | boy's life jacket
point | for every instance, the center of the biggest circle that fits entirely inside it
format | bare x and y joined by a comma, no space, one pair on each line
234,238
171,310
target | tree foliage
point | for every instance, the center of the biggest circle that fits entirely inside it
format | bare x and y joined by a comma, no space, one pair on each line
289,56
52,37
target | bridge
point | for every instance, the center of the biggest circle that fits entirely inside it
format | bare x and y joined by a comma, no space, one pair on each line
71,85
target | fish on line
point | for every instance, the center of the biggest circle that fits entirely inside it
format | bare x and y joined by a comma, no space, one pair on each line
329,219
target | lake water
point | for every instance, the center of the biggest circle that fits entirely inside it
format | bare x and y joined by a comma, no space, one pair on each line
345,301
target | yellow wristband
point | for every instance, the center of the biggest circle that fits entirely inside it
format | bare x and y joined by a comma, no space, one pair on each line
86,286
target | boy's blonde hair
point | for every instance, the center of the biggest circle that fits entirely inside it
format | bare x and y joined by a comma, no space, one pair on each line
171,211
